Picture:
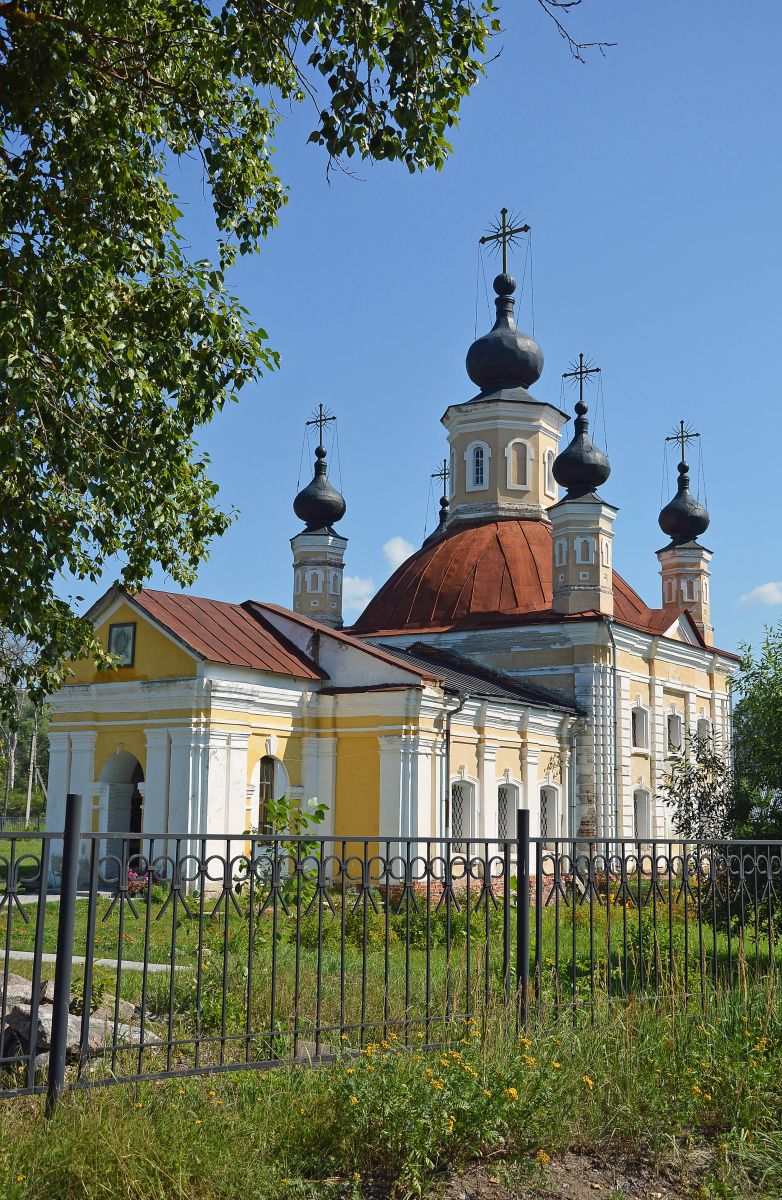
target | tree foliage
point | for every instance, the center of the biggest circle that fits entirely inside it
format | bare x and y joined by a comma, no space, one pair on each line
698,787
757,738
715,793
115,345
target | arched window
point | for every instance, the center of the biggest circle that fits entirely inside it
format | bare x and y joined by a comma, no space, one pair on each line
462,815
674,725
639,719
476,457
507,807
518,456
334,583
689,590
549,482
549,814
642,814
704,728
296,582
585,550
606,552
560,552
670,591
314,579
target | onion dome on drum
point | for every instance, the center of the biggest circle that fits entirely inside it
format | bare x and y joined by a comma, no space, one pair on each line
319,505
685,517
581,467
503,357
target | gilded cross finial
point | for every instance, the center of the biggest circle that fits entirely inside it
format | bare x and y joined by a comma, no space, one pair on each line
683,435
321,417
504,233
581,371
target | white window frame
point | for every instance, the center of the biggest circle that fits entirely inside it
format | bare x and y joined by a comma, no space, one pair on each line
469,462
469,826
704,727
554,819
509,457
297,582
560,552
647,724
513,801
549,482
670,591
333,583
690,591
642,796
580,542
317,573
671,749
605,551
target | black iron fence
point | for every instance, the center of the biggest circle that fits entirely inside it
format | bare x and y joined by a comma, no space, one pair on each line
138,957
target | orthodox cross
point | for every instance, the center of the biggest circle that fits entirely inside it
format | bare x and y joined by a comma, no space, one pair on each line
581,373
504,233
321,417
683,435
443,474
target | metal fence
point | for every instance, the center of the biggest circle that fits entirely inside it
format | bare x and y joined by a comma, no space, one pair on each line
182,955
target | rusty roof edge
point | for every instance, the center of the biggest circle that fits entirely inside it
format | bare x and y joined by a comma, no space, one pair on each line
250,607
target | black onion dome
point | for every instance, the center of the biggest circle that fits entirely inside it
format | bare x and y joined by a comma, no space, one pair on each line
319,504
504,357
581,467
684,518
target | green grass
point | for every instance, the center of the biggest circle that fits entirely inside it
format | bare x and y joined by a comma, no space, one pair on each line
652,1080
222,991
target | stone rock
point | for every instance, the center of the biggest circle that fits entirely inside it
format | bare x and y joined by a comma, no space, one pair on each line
105,1012
46,995
100,1032
18,990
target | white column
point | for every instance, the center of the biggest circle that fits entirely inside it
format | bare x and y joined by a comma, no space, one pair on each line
531,757
390,815
215,810
486,823
237,782
83,772
187,793
59,779
157,775
326,777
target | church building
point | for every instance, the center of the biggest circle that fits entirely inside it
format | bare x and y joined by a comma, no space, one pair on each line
504,664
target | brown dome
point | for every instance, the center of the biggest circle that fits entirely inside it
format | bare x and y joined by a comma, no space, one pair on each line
497,568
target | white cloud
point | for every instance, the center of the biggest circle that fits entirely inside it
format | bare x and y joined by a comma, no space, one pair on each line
396,550
765,593
356,593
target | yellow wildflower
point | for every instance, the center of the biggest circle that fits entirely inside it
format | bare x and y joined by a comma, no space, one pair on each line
588,1081
529,1060
696,1091
450,1123
357,1175
343,1037
437,1084
557,1066
525,1041
20,1178
486,1092
212,1092
707,1097
198,1122
350,1071
511,1093
542,1157
354,1099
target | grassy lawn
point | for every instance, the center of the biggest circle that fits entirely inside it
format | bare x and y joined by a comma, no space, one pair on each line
676,1087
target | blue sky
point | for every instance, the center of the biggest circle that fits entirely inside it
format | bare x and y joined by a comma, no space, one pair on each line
651,178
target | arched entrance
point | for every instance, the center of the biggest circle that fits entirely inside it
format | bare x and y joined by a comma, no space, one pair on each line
462,815
124,777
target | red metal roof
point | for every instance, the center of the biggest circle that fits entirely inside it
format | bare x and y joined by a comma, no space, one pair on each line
475,570
495,572
226,633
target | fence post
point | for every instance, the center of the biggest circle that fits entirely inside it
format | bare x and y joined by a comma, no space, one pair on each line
64,964
522,914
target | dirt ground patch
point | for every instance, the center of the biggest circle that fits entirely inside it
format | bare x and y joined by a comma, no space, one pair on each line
576,1177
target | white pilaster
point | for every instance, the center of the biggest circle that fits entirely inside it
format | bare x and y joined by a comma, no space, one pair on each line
83,772
486,817
59,779
531,780
157,778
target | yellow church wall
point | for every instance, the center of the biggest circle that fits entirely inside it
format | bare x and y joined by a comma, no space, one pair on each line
357,787
156,656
